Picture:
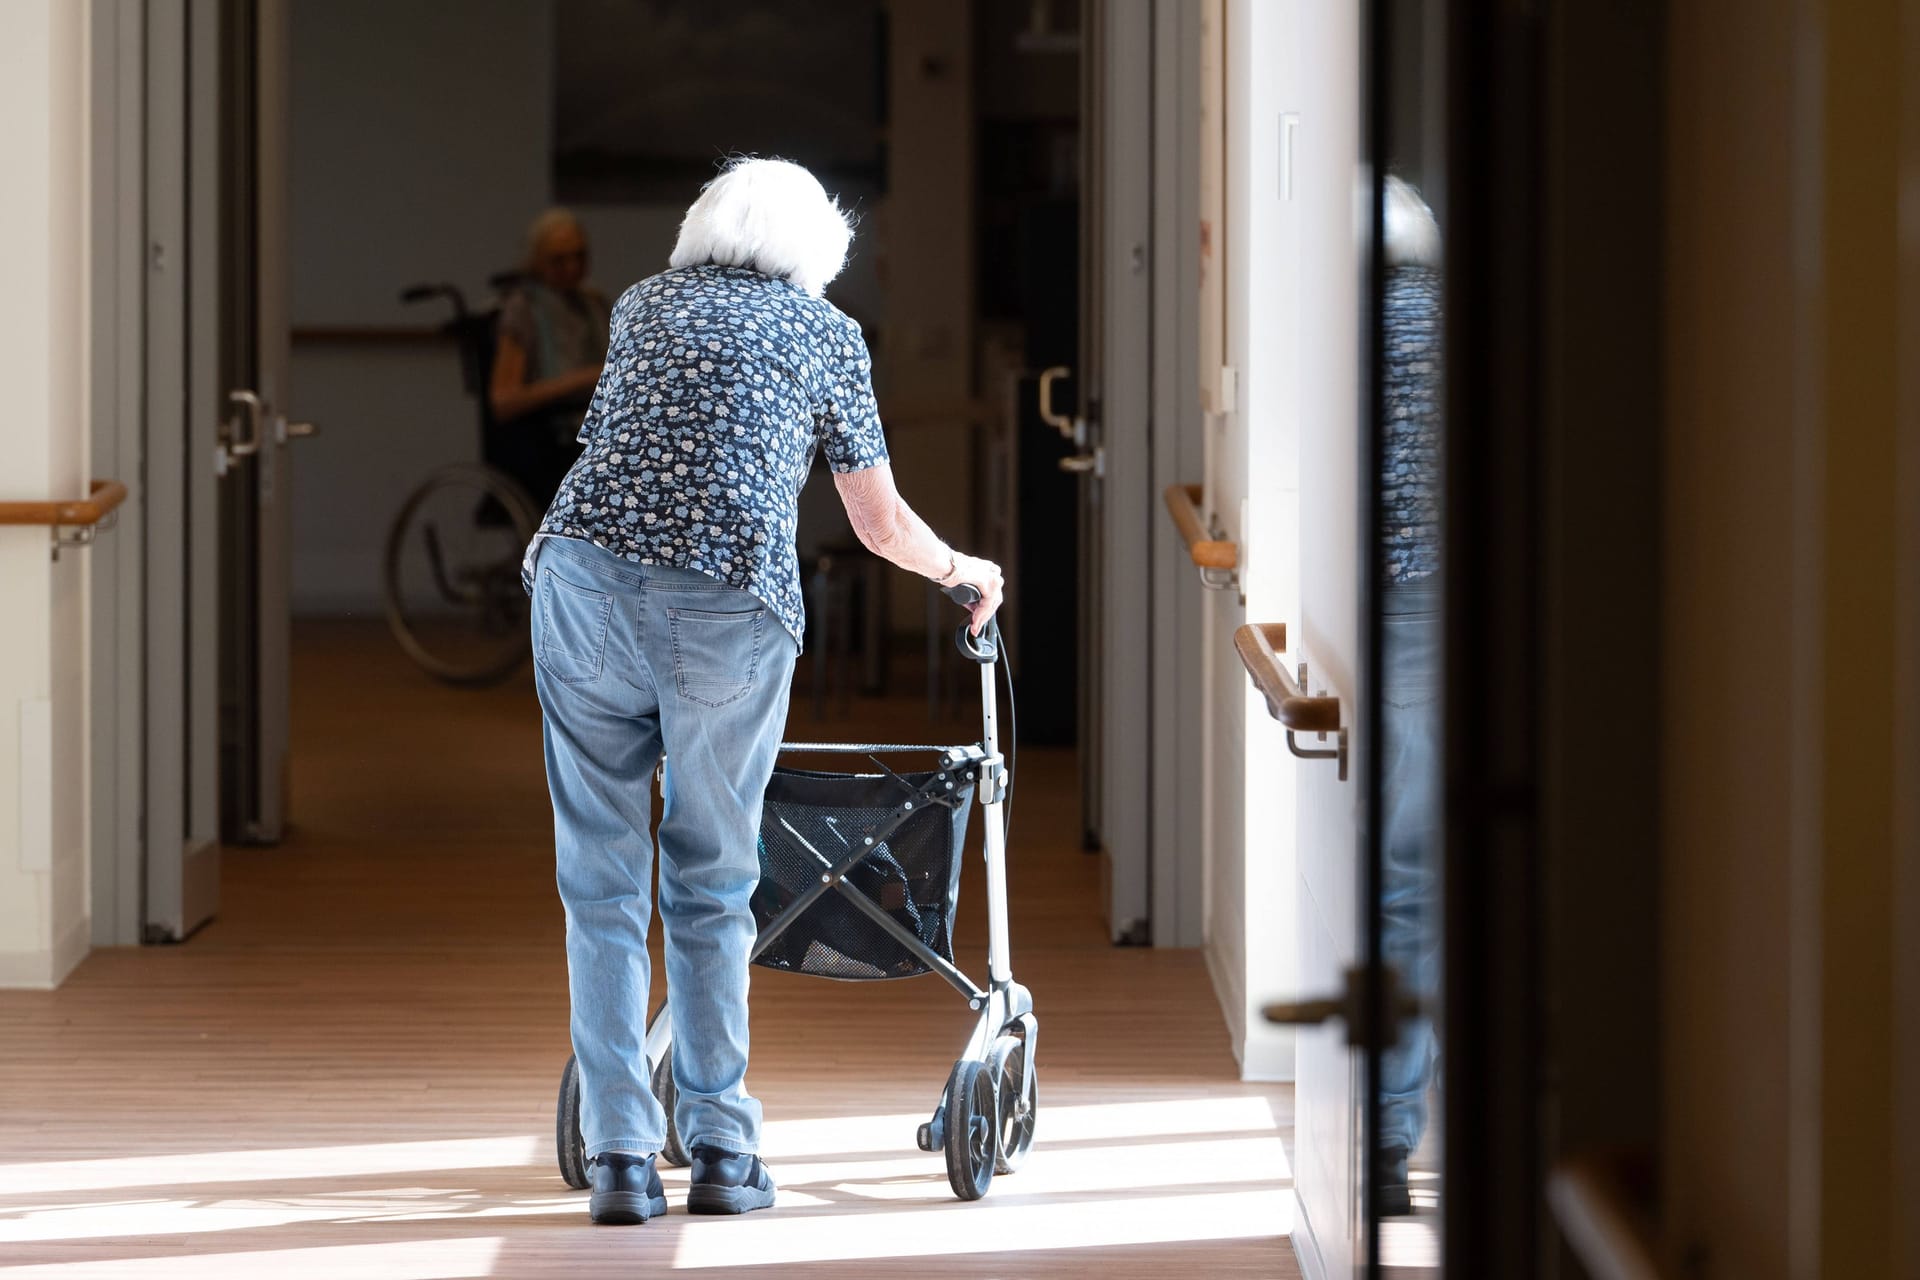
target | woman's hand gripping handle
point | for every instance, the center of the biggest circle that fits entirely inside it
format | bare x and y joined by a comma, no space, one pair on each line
976,584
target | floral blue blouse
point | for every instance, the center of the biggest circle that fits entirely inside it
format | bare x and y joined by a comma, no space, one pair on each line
720,383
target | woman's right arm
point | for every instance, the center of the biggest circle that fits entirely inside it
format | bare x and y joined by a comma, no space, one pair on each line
889,528
510,395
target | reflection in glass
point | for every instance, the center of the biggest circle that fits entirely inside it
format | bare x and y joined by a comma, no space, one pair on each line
1409,760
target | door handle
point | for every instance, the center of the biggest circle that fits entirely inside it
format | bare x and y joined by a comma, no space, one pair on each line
1349,1006
240,432
239,444
1058,421
297,430
1081,464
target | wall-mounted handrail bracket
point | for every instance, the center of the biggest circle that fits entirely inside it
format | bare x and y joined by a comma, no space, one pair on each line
1337,752
1217,559
1259,645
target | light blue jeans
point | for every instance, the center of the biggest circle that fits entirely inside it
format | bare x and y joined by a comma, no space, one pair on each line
1410,846
632,660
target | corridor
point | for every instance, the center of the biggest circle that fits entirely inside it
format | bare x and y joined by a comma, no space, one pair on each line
351,1071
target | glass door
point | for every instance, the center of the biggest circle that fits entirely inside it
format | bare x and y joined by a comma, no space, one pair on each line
1356,681
1401,889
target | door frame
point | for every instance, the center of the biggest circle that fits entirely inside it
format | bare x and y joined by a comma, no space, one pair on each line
119,263
179,862
1555,406
1115,398
1177,447
1142,778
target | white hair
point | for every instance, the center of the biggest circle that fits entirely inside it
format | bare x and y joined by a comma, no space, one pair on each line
1413,237
772,216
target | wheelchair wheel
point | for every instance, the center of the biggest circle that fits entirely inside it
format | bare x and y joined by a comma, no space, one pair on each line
970,1122
1017,1099
568,1142
452,575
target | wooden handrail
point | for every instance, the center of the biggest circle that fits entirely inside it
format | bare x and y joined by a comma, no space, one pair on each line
90,510
1602,1219
1259,645
915,415
409,335
1183,504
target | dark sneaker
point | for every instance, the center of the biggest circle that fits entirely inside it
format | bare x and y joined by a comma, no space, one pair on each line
1395,1199
724,1182
626,1189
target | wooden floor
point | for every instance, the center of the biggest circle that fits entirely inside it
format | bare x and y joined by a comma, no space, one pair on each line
351,1072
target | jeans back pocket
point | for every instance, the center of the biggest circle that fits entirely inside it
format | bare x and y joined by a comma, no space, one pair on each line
715,655
572,640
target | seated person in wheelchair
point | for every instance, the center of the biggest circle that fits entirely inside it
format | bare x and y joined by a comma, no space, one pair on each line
550,343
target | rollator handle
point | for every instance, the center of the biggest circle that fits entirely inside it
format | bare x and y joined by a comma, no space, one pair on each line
983,648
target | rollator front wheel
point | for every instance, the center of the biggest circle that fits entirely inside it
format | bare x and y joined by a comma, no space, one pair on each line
1018,1097
568,1142
970,1122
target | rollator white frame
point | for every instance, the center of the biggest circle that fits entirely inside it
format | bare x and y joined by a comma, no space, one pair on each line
1005,1007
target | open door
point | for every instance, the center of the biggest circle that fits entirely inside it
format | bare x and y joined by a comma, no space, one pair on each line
256,515
1401,879
1105,430
216,448
1310,55
1359,691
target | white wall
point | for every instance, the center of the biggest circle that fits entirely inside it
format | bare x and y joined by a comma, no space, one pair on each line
1250,833
43,648
420,138
1273,312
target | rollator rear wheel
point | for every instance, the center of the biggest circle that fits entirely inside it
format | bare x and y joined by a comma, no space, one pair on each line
970,1123
568,1143
1018,1102
668,1094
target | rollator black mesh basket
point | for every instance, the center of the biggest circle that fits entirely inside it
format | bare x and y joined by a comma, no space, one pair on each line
912,873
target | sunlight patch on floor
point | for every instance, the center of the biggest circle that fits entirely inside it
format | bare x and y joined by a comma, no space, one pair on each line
985,1227
404,1260
275,1164
1085,1122
852,1187
782,1140
1252,1161
143,1219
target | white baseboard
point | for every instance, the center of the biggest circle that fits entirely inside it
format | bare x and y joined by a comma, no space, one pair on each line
1268,1055
1233,1002
1311,1265
45,970
71,949
1265,1053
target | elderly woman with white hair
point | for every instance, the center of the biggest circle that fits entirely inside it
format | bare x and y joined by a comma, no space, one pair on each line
667,618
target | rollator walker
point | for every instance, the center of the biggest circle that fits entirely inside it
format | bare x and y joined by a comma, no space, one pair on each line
859,880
